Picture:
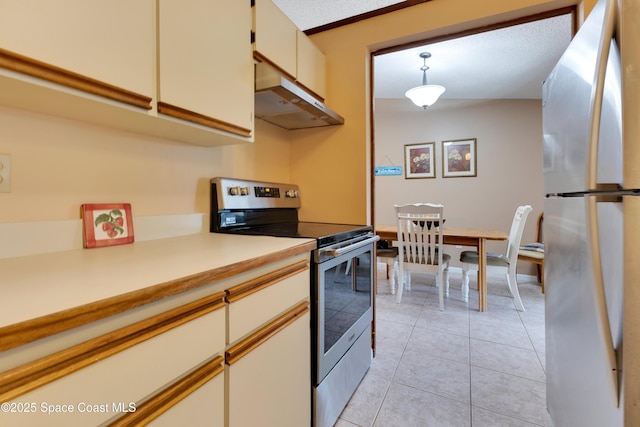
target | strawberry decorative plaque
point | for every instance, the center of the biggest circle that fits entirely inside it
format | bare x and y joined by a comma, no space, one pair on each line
107,224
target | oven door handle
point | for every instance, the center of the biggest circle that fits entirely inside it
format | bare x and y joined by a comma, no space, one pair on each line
344,250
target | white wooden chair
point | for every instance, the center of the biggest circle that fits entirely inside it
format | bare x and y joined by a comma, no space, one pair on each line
420,245
505,262
390,257
534,252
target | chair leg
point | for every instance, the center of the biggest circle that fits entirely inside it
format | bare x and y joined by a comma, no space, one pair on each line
394,276
446,280
513,288
440,279
347,269
400,285
465,284
336,273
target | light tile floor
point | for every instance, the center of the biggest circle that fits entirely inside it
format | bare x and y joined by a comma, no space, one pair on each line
459,367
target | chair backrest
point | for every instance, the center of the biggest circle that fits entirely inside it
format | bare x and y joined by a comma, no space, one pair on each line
515,235
420,233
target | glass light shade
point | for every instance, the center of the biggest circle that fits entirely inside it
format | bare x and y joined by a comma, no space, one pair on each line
425,95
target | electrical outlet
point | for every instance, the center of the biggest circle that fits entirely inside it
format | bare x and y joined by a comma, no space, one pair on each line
5,173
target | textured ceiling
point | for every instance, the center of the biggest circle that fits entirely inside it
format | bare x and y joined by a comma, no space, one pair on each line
308,14
508,63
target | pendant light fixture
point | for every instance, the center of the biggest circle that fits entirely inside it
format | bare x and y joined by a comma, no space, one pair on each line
425,95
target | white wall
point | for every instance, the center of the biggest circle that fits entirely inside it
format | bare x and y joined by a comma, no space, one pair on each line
509,162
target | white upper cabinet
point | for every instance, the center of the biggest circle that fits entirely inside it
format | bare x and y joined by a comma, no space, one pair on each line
281,44
311,66
110,41
175,69
206,64
275,37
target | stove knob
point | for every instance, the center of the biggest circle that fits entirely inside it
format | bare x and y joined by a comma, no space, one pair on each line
244,191
234,191
292,194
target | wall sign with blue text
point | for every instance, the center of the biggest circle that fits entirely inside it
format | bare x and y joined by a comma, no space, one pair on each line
387,170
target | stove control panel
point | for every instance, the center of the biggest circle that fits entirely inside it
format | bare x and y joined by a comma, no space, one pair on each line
232,193
267,191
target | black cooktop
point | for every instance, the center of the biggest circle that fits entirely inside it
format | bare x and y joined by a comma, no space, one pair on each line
325,233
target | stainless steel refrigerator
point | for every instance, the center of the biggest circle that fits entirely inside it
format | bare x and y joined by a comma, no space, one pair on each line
591,127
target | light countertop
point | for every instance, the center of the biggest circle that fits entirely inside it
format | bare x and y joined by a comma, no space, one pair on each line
40,285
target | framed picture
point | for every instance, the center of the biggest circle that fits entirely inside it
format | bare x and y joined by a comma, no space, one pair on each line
419,160
459,158
107,224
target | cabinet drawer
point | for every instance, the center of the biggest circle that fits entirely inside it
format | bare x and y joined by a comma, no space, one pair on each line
256,302
115,373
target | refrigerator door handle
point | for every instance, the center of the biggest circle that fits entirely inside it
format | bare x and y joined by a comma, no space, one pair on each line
595,114
601,302
597,92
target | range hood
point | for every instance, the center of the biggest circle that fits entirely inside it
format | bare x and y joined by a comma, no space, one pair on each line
281,102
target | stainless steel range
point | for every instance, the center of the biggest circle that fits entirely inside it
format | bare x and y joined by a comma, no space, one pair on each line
341,282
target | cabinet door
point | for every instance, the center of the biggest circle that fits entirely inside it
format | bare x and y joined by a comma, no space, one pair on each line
110,41
275,37
311,66
270,384
128,364
205,60
202,408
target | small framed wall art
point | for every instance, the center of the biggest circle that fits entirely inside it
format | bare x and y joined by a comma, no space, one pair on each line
459,158
107,224
419,160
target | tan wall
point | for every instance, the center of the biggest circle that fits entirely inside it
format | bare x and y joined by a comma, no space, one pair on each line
335,164
509,162
59,164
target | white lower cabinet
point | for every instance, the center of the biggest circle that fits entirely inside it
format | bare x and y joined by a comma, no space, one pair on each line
202,408
122,377
268,353
270,384
173,363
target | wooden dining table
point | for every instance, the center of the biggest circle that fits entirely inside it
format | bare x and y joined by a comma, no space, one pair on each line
461,236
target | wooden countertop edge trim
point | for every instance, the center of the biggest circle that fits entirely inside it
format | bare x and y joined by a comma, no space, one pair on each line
21,333
244,347
22,379
41,70
169,396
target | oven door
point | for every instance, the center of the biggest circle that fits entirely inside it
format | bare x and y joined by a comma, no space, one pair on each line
344,297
